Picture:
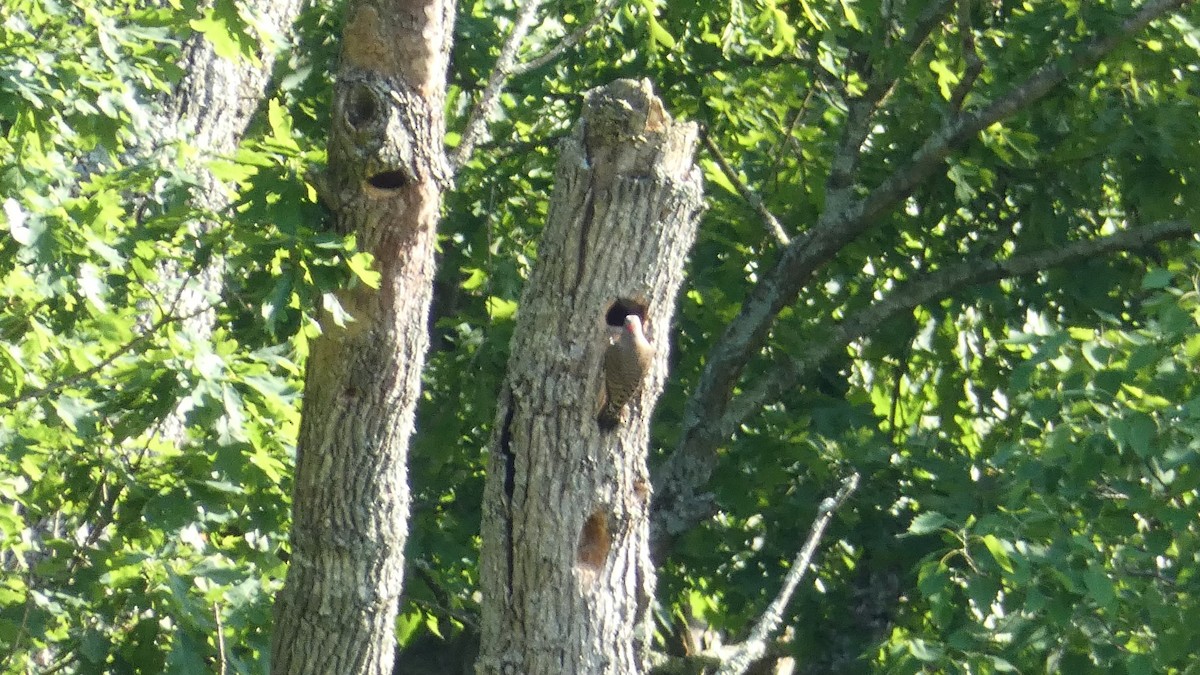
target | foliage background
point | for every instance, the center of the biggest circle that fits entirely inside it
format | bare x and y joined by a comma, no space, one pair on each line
1028,447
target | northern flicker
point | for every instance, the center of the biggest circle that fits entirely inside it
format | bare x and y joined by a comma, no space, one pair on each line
626,363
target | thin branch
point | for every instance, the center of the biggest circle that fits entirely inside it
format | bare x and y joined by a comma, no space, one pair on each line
662,663
105,511
788,137
880,85
10,403
927,288
736,659
970,53
567,42
751,197
507,67
442,600
961,127
77,557
844,219
220,640
755,645
70,657
23,627
500,73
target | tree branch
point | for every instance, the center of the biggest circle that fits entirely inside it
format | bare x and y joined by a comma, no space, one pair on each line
500,73
9,403
904,298
862,110
970,54
752,198
755,645
443,603
843,220
567,42
507,67
959,128
220,639
736,659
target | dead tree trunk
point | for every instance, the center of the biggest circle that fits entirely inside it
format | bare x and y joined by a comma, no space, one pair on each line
336,612
565,564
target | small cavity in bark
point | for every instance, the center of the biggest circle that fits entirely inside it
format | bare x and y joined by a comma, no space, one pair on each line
594,543
388,180
623,307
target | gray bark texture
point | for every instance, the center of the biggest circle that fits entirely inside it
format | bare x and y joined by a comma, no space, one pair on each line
336,612
565,566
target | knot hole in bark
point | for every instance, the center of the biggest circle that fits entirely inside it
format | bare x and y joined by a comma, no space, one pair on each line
362,112
389,180
594,542
623,307
361,107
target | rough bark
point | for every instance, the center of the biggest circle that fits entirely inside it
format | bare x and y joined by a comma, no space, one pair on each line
565,565
387,169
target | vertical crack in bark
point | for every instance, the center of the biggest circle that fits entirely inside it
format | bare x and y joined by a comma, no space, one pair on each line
510,481
589,212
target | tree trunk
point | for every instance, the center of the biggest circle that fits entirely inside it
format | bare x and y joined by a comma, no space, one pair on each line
210,110
565,565
337,609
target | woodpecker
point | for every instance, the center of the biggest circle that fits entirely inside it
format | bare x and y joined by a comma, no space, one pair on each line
626,363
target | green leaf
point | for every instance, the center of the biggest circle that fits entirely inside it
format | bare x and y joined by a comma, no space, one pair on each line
281,126
1157,278
499,308
928,522
925,651
946,78
660,34
231,172
362,264
71,410
851,16
225,30
94,647
1002,665
431,625
331,304
999,551
933,579
714,174
475,279
1136,431
1099,586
